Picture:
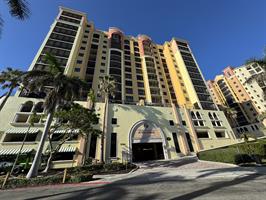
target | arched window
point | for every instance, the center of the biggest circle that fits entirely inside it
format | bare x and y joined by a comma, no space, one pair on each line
193,115
26,107
116,41
198,115
215,116
38,108
210,116
245,128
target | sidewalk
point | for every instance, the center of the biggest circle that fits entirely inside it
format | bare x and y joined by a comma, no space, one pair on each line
186,169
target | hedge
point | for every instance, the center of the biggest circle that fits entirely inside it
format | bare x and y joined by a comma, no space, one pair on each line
235,154
48,180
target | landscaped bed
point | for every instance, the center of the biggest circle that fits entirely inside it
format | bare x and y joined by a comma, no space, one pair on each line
73,175
242,154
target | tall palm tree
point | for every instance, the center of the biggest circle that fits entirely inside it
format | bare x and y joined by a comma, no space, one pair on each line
106,89
59,88
10,79
18,9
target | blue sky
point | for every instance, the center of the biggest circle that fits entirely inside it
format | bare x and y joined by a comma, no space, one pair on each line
220,32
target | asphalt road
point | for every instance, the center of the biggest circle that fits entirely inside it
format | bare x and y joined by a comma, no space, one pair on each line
159,182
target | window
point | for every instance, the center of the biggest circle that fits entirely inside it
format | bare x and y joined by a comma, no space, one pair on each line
18,137
129,91
113,145
77,69
38,108
129,98
128,83
102,70
220,134
202,134
114,120
140,84
177,148
128,76
171,122
79,61
26,107
127,69
141,92
96,35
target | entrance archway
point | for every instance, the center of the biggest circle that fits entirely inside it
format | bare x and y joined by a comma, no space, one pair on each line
147,142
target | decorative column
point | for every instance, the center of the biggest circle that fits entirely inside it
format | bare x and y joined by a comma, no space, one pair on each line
181,136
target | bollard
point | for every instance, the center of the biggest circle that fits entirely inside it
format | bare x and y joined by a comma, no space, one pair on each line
6,178
64,177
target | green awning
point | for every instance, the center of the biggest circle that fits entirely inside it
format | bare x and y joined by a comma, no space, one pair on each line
67,149
62,131
22,131
14,151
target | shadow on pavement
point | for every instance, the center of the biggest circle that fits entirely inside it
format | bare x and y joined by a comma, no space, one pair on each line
169,164
215,186
122,189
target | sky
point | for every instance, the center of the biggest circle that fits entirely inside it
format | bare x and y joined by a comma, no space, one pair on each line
221,33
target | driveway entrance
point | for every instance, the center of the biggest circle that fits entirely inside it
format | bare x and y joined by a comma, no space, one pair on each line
147,151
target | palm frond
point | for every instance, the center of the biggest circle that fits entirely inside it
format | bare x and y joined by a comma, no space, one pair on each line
54,66
19,8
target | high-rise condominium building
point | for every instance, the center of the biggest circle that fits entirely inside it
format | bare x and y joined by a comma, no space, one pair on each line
245,98
178,116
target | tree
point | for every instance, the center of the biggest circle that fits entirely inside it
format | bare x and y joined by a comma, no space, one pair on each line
10,79
59,90
91,99
18,9
67,120
106,89
33,119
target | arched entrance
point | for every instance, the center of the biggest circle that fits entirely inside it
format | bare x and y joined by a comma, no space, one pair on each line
147,142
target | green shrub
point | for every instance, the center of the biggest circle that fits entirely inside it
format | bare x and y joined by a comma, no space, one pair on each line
23,182
80,178
233,153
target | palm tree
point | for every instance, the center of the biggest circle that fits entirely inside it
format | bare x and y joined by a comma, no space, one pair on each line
10,79
59,88
91,99
106,89
18,9
33,119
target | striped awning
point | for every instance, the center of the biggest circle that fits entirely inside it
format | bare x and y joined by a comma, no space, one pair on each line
22,131
67,149
14,151
65,131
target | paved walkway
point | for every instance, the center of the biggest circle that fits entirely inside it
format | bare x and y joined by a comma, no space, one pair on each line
187,168
184,179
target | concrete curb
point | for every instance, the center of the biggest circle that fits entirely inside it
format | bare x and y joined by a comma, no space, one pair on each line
229,164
